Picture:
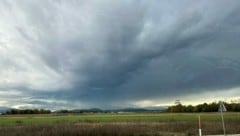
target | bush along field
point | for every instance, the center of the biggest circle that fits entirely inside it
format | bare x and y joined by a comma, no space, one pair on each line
118,124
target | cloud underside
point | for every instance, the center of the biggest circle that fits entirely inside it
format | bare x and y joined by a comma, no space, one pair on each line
105,54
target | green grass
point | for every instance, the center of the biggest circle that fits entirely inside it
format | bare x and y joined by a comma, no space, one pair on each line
144,117
140,124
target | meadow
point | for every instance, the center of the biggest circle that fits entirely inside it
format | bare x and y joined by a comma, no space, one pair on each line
117,124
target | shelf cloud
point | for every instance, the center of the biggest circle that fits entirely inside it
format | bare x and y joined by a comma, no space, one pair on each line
79,53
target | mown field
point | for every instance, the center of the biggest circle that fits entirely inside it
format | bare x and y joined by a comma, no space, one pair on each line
134,124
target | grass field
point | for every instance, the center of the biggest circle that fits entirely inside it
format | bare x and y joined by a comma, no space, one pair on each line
117,124
96,118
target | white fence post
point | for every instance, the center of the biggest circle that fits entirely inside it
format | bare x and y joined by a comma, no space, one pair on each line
199,125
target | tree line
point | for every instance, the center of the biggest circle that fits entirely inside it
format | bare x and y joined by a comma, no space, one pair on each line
205,107
28,111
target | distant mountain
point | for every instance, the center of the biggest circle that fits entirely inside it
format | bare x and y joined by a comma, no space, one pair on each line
144,109
97,110
92,110
160,108
88,110
4,109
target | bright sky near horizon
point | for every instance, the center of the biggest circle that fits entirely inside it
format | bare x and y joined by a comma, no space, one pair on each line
113,54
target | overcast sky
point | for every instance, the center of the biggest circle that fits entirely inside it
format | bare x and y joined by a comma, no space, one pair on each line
108,54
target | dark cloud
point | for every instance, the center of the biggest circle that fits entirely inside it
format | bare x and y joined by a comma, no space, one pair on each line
104,54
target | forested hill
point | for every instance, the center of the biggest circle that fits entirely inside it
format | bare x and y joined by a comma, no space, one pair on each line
205,107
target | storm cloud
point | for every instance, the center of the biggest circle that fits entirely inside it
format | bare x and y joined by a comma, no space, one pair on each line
80,53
